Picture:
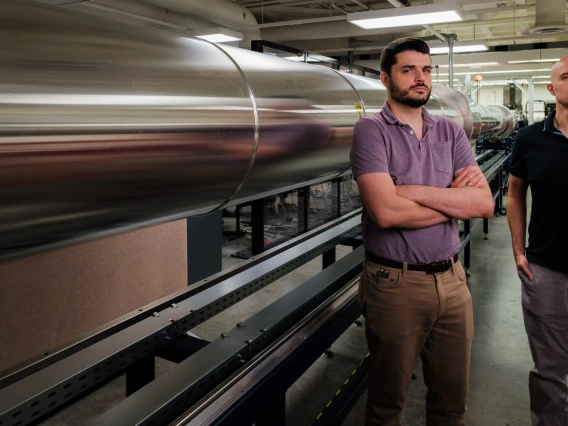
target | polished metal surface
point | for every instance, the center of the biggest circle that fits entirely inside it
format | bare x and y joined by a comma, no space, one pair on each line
506,119
106,127
306,117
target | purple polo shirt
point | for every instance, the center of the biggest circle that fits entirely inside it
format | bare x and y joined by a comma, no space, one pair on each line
383,144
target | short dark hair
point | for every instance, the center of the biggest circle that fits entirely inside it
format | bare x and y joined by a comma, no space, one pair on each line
388,55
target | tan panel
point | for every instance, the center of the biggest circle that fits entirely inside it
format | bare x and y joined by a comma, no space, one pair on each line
50,298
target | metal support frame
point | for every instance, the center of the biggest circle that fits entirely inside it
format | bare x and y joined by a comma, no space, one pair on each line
328,258
261,45
531,100
467,84
467,246
32,392
164,399
140,373
268,377
257,224
451,38
204,246
303,209
492,169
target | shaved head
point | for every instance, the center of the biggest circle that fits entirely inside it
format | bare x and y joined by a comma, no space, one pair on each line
558,68
558,85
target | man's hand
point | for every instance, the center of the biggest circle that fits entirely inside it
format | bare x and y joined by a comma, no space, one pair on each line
470,176
523,266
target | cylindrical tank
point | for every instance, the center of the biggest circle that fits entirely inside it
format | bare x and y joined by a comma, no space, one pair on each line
106,127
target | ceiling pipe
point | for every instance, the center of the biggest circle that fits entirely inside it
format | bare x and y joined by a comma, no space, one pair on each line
219,12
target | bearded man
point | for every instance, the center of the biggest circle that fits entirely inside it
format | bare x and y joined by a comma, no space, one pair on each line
417,176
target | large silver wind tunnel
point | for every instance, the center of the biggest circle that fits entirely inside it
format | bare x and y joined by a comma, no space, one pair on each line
106,127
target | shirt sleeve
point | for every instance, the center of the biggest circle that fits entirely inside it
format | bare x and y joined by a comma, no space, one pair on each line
368,150
463,153
518,166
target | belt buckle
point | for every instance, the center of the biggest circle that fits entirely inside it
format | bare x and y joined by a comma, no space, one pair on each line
439,266
429,267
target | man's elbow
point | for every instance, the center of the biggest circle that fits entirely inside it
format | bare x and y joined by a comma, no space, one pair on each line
488,207
384,220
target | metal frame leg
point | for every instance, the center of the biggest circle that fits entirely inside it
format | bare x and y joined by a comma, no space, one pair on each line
140,374
328,258
257,224
467,248
303,207
275,414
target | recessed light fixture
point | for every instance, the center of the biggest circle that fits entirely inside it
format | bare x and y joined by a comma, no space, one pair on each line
216,34
533,61
459,47
502,72
407,16
300,59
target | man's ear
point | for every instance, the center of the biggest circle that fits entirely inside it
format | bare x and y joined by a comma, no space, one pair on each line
550,88
384,78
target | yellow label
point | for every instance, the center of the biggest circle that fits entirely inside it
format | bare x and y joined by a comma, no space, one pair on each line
358,107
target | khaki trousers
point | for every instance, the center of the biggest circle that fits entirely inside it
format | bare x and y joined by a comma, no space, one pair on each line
412,313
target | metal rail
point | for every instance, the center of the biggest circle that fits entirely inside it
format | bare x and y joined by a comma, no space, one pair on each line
171,394
33,392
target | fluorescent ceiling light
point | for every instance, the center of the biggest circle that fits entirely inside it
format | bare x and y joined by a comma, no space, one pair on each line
459,47
499,72
407,16
534,61
480,64
216,35
300,59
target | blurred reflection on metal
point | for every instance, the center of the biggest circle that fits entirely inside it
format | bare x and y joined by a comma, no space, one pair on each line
106,127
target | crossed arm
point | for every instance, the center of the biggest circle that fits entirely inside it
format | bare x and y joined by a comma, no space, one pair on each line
419,206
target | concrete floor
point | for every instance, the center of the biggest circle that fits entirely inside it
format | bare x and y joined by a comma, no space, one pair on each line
500,359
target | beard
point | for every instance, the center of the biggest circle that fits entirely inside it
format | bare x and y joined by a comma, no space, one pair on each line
407,98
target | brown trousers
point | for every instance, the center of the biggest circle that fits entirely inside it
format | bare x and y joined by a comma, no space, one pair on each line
413,313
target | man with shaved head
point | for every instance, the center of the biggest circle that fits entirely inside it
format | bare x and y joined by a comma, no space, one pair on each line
539,161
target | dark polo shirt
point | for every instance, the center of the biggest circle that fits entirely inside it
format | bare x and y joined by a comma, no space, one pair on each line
382,144
540,156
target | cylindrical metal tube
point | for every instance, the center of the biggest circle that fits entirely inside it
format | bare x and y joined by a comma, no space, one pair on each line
106,127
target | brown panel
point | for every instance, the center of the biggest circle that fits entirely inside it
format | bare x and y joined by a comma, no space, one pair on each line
51,298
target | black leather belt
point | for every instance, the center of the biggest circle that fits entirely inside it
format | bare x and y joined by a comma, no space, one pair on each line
429,268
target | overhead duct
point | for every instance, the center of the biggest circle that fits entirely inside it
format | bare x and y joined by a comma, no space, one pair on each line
134,12
550,19
106,127
219,12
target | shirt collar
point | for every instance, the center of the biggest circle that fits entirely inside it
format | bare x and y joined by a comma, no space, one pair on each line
390,118
549,123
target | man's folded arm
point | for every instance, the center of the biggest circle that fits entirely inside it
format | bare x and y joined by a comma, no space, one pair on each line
389,210
460,203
